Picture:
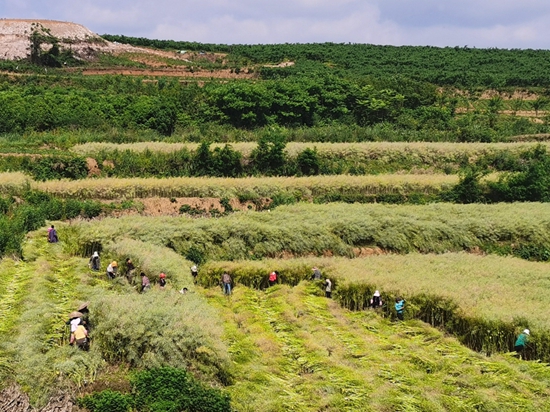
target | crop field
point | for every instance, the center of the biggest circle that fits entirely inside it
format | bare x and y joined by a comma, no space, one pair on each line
245,188
294,350
431,184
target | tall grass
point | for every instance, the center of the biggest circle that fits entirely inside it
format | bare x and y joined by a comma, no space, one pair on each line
337,229
427,152
161,328
483,300
247,188
289,345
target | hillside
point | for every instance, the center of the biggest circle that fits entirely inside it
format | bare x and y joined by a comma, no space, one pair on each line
419,172
283,348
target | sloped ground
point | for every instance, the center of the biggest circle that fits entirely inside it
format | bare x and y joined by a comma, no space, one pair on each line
295,350
35,297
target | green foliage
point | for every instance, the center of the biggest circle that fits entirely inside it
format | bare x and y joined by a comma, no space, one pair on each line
469,189
174,390
308,162
107,401
165,329
160,390
57,167
269,156
340,229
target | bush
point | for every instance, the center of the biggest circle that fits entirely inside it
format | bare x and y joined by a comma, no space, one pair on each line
308,162
174,390
269,156
160,390
107,401
163,330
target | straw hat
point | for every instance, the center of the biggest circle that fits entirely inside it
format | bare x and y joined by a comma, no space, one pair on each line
83,306
74,315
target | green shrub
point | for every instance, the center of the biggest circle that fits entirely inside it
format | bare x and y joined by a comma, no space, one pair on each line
174,390
107,401
308,162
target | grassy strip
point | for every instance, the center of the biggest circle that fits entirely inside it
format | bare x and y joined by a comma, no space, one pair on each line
248,188
427,152
147,160
484,300
336,229
294,350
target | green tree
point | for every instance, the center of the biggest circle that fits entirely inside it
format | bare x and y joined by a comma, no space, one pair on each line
202,160
269,156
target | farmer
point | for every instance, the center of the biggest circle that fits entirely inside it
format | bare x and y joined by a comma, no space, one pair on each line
52,235
194,273
94,262
74,321
521,341
85,318
184,291
328,288
80,337
130,270
145,284
226,283
376,301
273,277
162,280
400,307
112,269
316,273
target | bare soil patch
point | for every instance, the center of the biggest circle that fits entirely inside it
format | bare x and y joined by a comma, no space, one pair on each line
200,206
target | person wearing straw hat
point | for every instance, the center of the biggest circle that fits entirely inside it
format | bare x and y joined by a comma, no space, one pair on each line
74,321
521,341
85,318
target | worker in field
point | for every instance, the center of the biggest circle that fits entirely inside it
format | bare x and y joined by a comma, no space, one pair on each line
130,270
94,262
52,235
226,283
273,276
85,318
74,321
376,300
80,338
316,273
328,288
521,341
194,273
112,269
162,280
145,283
400,308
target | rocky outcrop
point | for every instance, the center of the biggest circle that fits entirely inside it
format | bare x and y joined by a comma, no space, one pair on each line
15,38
